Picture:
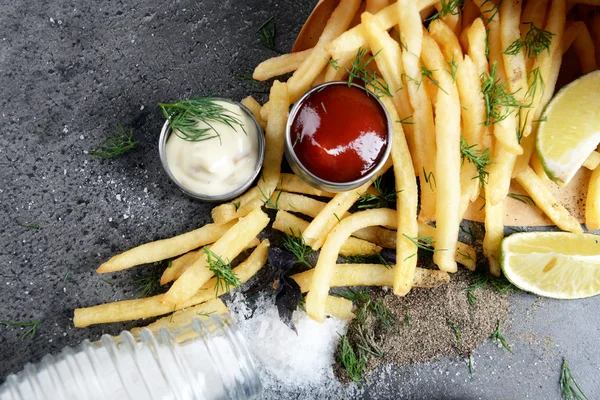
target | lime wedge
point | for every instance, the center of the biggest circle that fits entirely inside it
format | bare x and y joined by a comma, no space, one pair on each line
570,130
560,265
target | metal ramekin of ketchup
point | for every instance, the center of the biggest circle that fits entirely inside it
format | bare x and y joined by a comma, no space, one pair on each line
338,136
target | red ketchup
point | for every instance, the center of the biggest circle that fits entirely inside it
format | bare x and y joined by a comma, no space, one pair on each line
339,133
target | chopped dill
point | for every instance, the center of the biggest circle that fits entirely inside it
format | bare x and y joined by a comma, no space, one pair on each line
422,242
479,158
119,143
205,313
383,197
407,315
353,363
536,41
266,33
498,100
295,243
429,178
28,333
455,329
66,275
523,198
453,69
226,278
360,70
497,336
267,201
106,281
184,116
37,227
236,204
428,74
405,121
448,7
493,11
334,64
569,388
480,281
337,217
148,285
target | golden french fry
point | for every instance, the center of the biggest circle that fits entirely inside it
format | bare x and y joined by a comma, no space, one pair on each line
422,140
447,177
445,37
339,307
546,202
584,46
406,203
500,174
280,65
296,203
592,202
128,310
477,35
274,138
470,12
534,12
371,275
306,73
494,233
227,247
374,6
337,69
163,249
180,264
492,23
592,161
182,318
465,254
317,231
254,106
293,183
315,300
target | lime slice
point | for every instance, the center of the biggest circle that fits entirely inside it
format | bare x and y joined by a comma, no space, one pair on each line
571,128
560,265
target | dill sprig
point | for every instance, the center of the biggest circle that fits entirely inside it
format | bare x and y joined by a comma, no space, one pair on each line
148,285
266,33
523,198
428,74
453,69
455,329
296,244
429,178
226,278
422,242
479,158
448,7
256,85
405,121
480,281
360,70
569,388
28,333
184,118
353,363
334,64
497,336
383,197
498,100
205,314
492,11
120,142
267,201
536,41
37,227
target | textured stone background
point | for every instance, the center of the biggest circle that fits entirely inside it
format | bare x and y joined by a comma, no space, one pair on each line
70,72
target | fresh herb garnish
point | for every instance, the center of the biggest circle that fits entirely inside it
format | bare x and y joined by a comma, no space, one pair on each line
493,11
266,33
428,74
257,86
226,278
205,314
66,275
334,64
295,243
448,7
455,329
479,281
184,118
405,121
267,201
360,70
148,285
569,388
353,363
29,333
479,158
536,41
383,198
498,100
453,69
523,198
120,142
497,336
422,242
429,178
32,227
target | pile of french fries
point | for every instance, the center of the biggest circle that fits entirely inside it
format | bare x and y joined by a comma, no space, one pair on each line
435,75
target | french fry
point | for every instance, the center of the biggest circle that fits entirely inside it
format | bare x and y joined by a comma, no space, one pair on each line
293,183
180,264
339,22
592,161
447,40
500,173
128,310
447,132
227,247
374,6
182,318
546,202
280,65
251,104
422,137
338,69
465,254
477,35
296,203
164,249
592,202
317,231
274,138
584,46
339,307
494,233
406,204
315,299
470,12
355,38
371,275
292,225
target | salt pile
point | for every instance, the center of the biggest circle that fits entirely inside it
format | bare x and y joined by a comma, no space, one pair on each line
290,363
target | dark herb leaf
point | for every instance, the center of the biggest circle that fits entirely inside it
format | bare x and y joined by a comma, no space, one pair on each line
281,258
287,300
389,255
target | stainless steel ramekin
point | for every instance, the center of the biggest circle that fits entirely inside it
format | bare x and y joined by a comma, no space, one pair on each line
162,150
311,178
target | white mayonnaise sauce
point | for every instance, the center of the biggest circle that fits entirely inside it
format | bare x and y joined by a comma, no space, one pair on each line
219,165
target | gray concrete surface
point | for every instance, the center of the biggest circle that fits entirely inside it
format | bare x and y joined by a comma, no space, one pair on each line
70,72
